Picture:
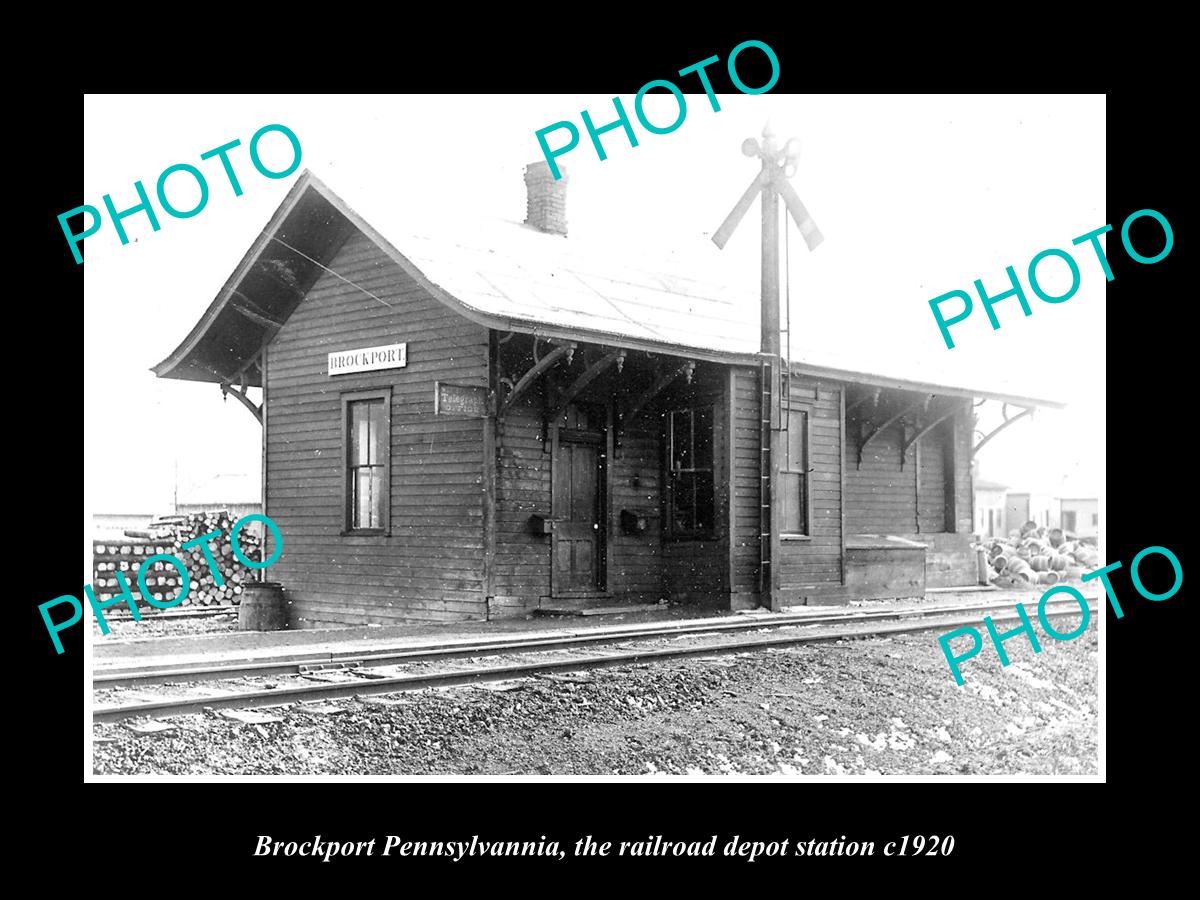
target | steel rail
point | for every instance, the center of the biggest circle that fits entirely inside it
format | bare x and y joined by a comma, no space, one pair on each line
341,690
294,664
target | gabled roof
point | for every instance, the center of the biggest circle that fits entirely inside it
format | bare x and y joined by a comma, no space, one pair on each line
521,276
500,275
265,288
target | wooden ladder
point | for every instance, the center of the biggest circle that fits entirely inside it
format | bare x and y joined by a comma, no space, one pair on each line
765,487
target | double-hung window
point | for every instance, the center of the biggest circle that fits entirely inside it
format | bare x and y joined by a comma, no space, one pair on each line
366,423
691,500
794,488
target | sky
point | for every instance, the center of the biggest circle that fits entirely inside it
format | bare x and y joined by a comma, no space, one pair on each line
916,196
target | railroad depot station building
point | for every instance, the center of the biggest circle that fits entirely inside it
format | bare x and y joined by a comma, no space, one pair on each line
484,426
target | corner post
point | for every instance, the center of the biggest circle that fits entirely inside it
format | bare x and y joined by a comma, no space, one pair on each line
771,391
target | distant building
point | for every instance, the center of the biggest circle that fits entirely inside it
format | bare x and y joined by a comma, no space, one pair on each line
238,493
1020,508
113,525
989,508
1080,515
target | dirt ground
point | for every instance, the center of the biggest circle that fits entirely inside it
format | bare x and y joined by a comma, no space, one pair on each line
163,626
878,705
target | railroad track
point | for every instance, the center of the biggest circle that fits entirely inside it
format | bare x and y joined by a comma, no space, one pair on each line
298,663
350,674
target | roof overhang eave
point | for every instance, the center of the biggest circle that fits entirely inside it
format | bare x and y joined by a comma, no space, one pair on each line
179,356
903,384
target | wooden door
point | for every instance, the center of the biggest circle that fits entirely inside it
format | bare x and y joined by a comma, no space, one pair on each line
577,540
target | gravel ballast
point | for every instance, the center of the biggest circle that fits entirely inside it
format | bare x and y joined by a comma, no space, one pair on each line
867,706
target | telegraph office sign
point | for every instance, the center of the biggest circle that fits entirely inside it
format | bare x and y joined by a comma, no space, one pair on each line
368,359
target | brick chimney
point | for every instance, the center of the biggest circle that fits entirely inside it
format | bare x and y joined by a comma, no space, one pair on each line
546,199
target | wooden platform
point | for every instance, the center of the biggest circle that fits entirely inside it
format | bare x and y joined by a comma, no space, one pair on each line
588,608
884,566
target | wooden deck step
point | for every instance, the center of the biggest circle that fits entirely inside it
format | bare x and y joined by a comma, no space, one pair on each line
576,608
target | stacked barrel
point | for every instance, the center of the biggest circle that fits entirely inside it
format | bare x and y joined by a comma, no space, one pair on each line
1039,556
127,555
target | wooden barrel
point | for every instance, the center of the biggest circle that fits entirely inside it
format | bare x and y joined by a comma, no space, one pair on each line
263,607
1019,569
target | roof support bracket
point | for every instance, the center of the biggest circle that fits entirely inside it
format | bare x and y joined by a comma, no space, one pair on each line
240,396
907,445
1008,420
872,397
555,409
881,428
663,381
629,415
541,365
240,375
590,374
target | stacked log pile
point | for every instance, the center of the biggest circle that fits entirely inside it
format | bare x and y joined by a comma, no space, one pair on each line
1045,556
163,581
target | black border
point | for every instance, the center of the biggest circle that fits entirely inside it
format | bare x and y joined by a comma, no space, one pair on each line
1002,829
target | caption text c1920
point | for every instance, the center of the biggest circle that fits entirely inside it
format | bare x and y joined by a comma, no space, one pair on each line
652,846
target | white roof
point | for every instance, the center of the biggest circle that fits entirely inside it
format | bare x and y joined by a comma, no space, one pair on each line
512,270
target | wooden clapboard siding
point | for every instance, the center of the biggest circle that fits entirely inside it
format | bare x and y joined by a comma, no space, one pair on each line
523,472
644,566
697,571
886,572
746,488
818,560
881,496
958,477
430,567
636,572
949,559
523,489
929,460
